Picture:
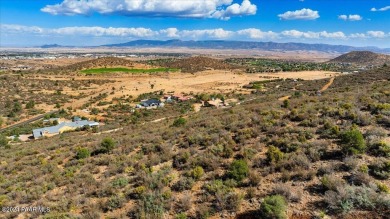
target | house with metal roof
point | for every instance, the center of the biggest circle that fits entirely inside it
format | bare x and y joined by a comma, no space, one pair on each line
150,103
62,127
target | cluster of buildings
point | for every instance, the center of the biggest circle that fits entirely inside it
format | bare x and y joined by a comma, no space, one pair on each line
154,103
62,125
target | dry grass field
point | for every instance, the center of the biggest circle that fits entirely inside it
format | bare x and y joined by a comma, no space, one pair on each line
210,81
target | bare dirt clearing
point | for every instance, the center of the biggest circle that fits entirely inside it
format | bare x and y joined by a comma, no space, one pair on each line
211,81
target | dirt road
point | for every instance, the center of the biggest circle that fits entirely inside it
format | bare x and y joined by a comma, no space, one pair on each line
326,86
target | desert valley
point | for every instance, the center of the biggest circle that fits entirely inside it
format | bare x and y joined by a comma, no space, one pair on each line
201,109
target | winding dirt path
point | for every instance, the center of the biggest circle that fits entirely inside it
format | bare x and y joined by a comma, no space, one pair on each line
326,86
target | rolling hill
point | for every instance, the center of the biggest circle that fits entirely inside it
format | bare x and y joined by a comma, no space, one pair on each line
100,62
196,64
363,58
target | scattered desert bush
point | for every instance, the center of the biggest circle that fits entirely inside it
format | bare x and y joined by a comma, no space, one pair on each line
380,168
3,141
114,202
197,172
274,206
82,153
274,155
287,191
107,144
352,142
179,122
138,192
238,170
331,182
229,201
216,186
380,148
346,198
181,216
184,183
184,203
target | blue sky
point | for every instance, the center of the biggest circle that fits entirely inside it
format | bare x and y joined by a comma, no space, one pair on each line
96,22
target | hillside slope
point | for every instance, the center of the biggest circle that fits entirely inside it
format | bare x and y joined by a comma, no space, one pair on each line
363,58
196,64
325,156
100,63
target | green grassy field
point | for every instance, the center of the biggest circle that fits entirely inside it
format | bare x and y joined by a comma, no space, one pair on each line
126,70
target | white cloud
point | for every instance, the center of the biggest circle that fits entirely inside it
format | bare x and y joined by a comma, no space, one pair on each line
101,31
13,28
358,35
381,9
313,35
299,34
131,33
254,33
88,31
343,17
246,8
170,32
221,9
370,34
354,17
208,33
376,34
351,17
303,14
335,35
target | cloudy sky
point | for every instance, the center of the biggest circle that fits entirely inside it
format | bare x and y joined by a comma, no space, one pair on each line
97,22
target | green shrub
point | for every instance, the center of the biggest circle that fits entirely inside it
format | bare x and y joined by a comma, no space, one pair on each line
152,206
181,216
274,155
380,169
82,153
3,141
216,186
179,122
197,172
120,182
238,170
273,207
286,103
30,104
383,188
184,183
230,201
17,107
331,182
180,160
348,198
380,149
138,192
108,144
114,202
352,142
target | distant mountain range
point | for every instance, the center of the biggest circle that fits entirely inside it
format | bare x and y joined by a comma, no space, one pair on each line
48,46
269,46
221,44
